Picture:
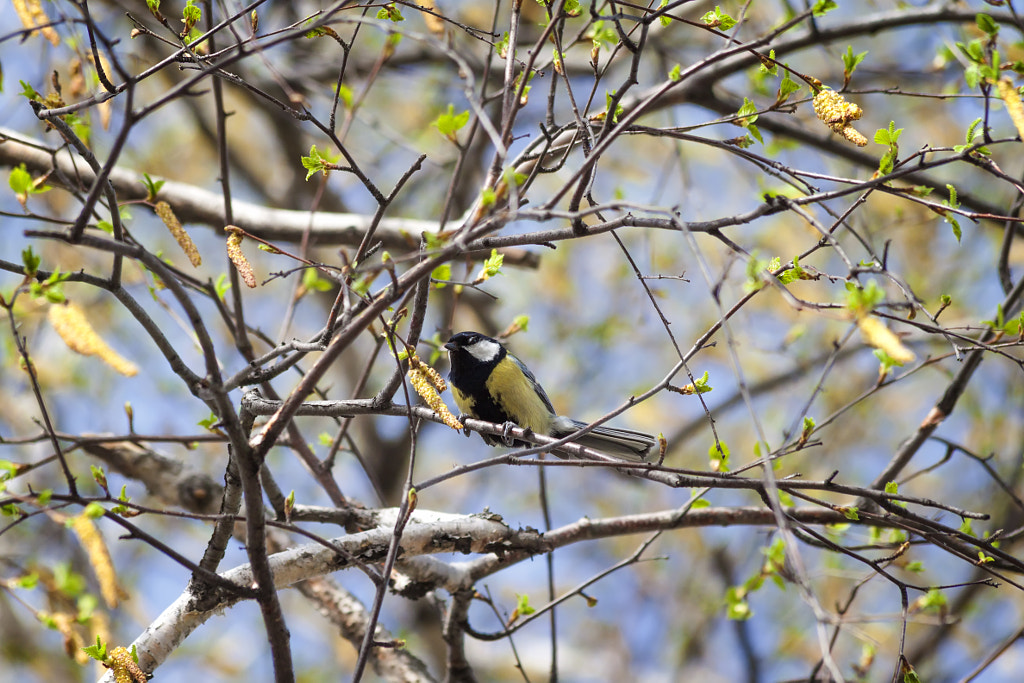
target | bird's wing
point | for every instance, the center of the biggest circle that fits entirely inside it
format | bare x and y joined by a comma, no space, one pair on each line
533,380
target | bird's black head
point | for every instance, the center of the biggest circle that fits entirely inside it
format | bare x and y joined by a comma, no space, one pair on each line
472,348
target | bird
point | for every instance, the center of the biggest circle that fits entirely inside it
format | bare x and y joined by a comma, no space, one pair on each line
490,384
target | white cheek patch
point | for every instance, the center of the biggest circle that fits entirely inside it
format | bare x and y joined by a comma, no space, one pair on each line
484,350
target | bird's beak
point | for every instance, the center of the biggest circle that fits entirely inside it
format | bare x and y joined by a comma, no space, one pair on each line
451,346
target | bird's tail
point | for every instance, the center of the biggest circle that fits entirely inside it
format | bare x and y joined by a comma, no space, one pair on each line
620,443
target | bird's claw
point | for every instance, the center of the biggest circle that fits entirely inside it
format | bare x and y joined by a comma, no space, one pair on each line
462,420
506,433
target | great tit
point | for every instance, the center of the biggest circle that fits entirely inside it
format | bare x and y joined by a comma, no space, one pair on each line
491,384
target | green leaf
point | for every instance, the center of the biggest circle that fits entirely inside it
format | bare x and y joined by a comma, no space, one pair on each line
892,488
955,225
390,13
603,34
972,131
190,16
786,88
152,186
28,581
492,266
94,510
792,274
20,180
502,46
746,114
442,272
701,385
886,361
86,606
608,99
987,24
808,429
862,300
345,95
68,581
674,74
8,470
948,216
932,601
850,513
221,286
775,555
718,456
29,92
30,261
823,7
971,139
52,288
97,651
663,19
851,61
523,606
888,136
449,123
718,19
318,161
737,607
98,475
966,528
311,281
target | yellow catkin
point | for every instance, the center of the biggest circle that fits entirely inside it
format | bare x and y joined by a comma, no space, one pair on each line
430,372
166,213
1014,107
424,379
235,236
32,15
126,669
99,557
876,334
853,135
835,112
73,327
106,107
64,623
435,24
